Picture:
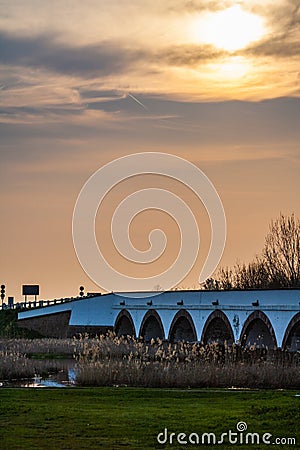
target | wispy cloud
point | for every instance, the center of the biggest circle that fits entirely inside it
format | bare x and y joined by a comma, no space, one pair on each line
63,66
189,55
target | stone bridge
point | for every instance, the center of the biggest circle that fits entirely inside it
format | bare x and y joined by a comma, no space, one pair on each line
267,318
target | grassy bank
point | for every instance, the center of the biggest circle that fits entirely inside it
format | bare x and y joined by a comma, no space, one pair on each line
115,418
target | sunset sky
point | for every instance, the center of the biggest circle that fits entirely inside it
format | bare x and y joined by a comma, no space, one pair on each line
83,83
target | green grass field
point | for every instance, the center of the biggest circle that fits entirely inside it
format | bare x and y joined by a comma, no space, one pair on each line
129,418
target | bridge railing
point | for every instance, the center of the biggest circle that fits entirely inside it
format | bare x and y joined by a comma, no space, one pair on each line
39,303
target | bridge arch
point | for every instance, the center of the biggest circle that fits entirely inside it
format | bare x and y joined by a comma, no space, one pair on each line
182,327
124,325
291,340
258,330
217,328
152,326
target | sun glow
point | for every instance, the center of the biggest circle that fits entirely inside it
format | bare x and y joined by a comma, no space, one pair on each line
234,68
231,29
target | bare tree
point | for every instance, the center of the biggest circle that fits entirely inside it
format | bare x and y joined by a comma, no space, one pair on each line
282,252
226,278
251,276
242,276
277,267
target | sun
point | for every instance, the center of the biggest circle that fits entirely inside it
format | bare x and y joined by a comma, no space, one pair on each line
230,29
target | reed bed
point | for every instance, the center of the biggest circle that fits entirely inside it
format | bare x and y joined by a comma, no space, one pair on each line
50,346
110,360
27,358
16,366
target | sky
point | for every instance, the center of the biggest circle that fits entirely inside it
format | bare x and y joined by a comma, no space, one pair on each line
83,83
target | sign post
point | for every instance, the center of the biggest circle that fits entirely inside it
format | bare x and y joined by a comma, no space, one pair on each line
30,289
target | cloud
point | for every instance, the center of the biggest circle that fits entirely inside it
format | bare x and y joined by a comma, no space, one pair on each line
196,6
45,52
94,58
283,40
105,94
220,123
188,55
90,61
275,47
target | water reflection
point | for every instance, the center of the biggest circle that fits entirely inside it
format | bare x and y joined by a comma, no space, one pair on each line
65,377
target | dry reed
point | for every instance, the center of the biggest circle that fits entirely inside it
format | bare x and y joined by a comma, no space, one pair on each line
110,360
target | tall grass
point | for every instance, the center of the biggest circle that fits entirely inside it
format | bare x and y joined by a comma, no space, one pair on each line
26,358
110,360
50,346
15,366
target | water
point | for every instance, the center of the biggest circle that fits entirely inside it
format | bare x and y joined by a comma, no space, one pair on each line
65,377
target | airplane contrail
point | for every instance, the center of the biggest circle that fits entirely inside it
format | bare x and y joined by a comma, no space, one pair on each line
165,120
136,100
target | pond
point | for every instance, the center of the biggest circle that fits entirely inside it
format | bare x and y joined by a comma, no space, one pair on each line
64,376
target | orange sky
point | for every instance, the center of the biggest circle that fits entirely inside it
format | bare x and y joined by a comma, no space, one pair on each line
224,97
